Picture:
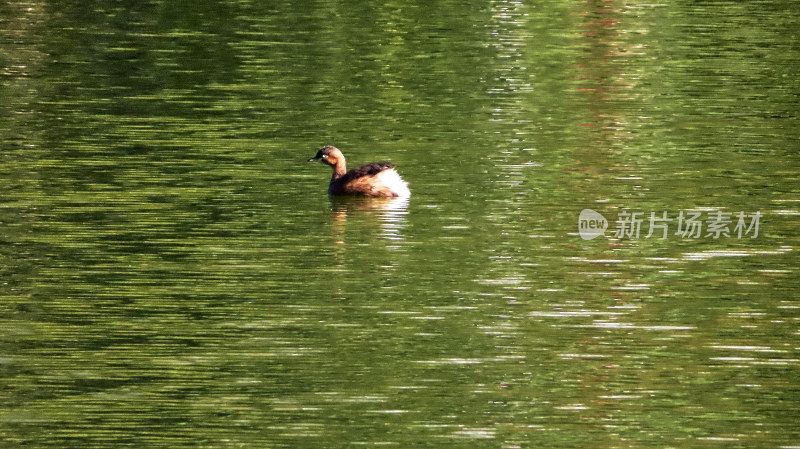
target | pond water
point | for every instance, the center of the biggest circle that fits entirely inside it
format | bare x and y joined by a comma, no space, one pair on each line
174,274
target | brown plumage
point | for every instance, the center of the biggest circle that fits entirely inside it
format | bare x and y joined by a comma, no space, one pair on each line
375,179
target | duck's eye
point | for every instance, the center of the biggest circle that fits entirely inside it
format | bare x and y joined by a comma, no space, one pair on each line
324,155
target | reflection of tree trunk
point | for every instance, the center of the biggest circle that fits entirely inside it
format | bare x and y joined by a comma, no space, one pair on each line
21,60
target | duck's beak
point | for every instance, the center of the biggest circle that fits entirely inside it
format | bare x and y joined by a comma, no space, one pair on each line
314,159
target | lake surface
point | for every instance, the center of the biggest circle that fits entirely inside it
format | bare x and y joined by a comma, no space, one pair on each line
174,274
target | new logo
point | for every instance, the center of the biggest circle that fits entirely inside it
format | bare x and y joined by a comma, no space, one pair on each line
591,224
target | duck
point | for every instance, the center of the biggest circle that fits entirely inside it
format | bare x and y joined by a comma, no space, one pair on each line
378,179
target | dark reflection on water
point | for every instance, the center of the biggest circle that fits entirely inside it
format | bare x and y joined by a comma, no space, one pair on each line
173,274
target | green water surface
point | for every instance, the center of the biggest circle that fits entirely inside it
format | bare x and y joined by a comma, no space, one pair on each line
173,273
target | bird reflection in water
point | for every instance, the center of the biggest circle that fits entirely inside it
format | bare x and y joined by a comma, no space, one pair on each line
389,212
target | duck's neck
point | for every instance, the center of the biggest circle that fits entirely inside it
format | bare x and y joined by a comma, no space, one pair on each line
339,170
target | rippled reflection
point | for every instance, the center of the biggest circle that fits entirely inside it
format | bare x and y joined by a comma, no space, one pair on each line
173,275
389,214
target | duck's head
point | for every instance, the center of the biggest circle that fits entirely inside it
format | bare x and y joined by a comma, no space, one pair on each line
328,155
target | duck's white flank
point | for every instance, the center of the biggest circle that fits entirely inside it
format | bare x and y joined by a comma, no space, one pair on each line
393,180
